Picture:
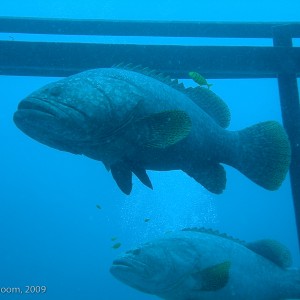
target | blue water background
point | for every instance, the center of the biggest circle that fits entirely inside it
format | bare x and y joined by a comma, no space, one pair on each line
51,232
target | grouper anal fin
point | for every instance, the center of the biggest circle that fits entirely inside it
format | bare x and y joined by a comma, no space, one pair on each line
123,177
212,177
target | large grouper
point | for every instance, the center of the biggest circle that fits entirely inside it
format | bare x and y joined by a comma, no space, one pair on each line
134,119
201,264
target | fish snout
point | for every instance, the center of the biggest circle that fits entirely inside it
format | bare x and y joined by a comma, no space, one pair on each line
52,123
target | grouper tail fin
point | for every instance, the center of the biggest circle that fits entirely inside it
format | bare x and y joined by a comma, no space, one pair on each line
264,154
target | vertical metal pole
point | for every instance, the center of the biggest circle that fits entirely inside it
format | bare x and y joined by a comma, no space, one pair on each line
290,110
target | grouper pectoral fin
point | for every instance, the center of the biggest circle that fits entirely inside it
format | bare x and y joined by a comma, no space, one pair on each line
141,174
123,177
163,129
212,278
212,177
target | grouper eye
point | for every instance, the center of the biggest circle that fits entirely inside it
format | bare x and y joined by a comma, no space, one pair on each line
56,90
134,252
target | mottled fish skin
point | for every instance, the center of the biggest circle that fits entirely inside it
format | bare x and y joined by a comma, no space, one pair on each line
194,265
118,116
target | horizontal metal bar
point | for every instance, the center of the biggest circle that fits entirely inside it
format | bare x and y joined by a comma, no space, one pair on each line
63,59
142,28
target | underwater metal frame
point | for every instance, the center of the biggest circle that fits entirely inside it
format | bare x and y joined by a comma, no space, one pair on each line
281,61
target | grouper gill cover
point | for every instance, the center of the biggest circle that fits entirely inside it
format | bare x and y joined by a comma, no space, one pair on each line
134,119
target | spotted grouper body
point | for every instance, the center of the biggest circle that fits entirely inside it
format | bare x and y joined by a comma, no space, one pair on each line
201,265
136,120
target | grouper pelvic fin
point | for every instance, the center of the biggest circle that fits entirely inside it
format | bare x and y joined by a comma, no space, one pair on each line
213,278
212,104
272,250
212,177
123,177
122,174
163,129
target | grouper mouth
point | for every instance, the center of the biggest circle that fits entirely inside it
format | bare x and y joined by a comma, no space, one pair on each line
42,106
131,272
138,275
50,122
128,265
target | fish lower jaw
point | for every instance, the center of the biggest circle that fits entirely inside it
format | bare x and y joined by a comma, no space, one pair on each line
121,263
129,266
36,106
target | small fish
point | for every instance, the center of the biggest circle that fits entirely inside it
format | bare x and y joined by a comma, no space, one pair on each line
98,206
199,79
113,238
116,246
146,220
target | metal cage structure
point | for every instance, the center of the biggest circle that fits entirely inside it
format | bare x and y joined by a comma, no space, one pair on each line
280,61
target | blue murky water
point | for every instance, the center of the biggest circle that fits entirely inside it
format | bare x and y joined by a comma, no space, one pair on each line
52,234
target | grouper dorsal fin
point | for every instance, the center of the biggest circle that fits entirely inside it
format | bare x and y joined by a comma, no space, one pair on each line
212,278
216,233
272,250
268,248
212,104
152,73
